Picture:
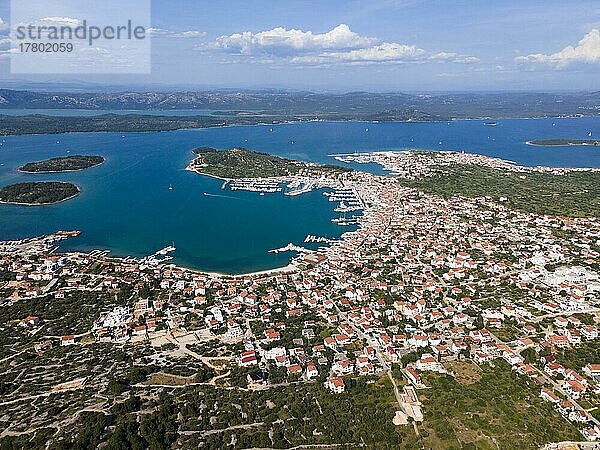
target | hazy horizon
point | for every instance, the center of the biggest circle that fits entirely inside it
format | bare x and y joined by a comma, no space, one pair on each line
341,46
83,86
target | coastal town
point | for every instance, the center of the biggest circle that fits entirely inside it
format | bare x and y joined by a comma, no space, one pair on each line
299,225
424,289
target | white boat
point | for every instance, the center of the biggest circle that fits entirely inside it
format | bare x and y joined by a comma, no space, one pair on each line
170,187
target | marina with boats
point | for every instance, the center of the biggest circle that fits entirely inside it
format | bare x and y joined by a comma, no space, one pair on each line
159,257
298,187
260,185
290,248
349,201
318,239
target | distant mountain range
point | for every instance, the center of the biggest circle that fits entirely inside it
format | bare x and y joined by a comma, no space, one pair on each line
352,105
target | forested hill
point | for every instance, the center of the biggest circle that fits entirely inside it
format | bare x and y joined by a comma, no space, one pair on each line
357,105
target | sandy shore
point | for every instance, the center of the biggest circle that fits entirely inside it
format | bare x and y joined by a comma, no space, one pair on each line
291,267
191,169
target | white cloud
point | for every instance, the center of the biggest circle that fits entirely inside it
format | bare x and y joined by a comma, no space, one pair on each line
453,57
385,52
340,45
6,53
283,42
60,21
587,51
159,32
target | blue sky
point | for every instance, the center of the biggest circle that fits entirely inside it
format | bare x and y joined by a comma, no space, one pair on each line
376,45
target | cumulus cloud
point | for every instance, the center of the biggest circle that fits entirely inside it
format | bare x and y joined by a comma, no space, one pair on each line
283,42
587,50
159,32
339,45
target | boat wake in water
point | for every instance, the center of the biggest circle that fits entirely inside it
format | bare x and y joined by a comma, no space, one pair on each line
208,194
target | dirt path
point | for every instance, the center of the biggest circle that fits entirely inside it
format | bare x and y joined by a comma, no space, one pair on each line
223,430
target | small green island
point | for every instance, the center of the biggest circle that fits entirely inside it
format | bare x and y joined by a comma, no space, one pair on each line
563,142
38,193
238,162
62,164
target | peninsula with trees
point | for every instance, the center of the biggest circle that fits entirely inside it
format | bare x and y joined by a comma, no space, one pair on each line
238,163
38,193
62,164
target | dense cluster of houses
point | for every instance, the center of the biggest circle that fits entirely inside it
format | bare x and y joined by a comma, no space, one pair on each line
423,280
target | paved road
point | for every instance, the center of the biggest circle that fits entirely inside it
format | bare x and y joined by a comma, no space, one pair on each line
567,313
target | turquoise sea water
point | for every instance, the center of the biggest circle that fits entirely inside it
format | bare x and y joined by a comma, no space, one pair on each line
126,207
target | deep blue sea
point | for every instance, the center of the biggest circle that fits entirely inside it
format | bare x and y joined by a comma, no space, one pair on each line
126,207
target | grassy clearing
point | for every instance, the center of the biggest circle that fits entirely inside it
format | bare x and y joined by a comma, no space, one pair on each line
167,379
464,372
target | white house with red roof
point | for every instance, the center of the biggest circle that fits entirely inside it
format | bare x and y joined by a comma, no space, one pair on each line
335,385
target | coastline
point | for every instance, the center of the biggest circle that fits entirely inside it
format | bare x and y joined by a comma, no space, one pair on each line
293,263
191,169
291,267
300,121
